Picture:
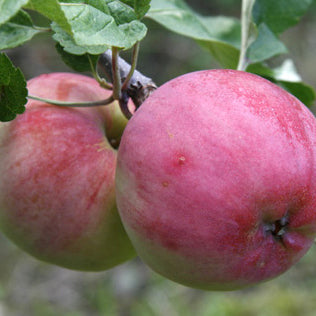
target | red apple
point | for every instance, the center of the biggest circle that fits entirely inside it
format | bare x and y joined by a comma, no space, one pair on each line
216,180
57,167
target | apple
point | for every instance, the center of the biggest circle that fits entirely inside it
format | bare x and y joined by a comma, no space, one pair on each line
216,180
57,168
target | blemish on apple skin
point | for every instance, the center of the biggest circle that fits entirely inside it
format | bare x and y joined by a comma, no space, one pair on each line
261,264
34,198
181,160
165,184
17,164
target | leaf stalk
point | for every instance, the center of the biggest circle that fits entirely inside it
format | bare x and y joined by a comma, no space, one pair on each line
73,104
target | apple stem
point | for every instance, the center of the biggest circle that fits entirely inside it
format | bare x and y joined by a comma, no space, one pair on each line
117,84
73,104
133,66
246,32
118,92
102,82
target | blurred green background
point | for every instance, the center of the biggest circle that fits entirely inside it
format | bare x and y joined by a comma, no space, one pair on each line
32,288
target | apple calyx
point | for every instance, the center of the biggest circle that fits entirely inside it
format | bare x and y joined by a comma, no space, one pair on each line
278,228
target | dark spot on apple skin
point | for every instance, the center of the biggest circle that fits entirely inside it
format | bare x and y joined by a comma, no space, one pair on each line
165,184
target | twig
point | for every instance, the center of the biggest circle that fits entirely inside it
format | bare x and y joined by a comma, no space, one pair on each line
139,86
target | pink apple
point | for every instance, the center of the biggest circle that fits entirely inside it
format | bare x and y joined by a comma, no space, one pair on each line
216,180
57,167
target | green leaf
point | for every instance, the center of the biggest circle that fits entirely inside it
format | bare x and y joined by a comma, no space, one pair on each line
129,2
272,18
52,10
13,90
225,54
179,19
226,49
133,32
70,46
220,35
92,27
22,18
281,14
261,70
265,46
78,63
121,12
141,7
100,5
17,31
13,35
9,8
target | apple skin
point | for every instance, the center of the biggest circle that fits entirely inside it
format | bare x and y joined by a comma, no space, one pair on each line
216,180
57,170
